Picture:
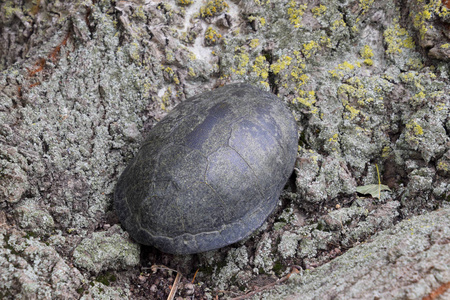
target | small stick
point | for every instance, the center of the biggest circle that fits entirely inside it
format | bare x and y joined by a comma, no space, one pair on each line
193,279
174,287
281,280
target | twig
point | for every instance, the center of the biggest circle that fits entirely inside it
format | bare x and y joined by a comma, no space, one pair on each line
193,279
294,270
437,292
155,268
174,286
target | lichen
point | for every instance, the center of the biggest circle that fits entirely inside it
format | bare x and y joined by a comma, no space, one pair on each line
185,2
397,38
422,16
254,43
365,5
241,60
342,69
261,67
213,8
295,12
318,11
367,53
310,48
212,37
282,63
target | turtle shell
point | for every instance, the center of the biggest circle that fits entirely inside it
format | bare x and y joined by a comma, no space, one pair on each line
210,172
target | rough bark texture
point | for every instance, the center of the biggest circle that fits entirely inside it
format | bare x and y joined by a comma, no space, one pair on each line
82,82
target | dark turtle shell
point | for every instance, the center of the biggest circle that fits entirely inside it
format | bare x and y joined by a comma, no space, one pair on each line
210,172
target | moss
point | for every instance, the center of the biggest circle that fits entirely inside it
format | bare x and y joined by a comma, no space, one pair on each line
302,139
386,152
106,278
9,11
320,226
30,235
278,268
8,246
209,269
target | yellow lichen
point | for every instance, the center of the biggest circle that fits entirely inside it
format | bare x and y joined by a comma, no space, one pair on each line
262,2
192,56
191,72
185,2
365,5
241,59
166,98
265,84
396,38
419,97
367,53
425,13
139,12
334,138
443,166
319,10
306,99
415,127
212,36
170,55
134,52
213,8
254,43
295,13
353,111
386,151
260,20
415,63
342,69
310,48
338,23
281,64
261,67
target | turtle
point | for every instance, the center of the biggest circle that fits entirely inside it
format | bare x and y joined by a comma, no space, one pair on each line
210,172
